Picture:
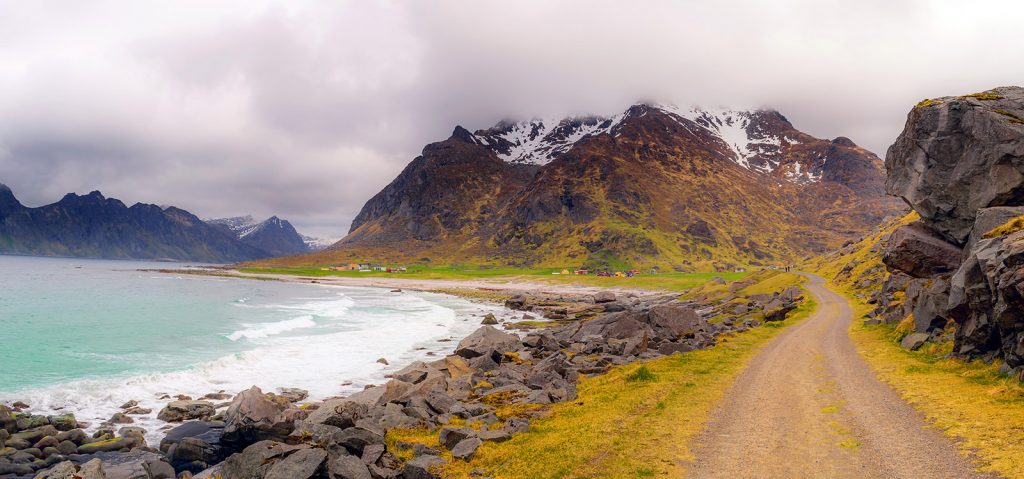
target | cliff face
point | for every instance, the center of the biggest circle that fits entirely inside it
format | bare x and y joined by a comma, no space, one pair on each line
275,236
655,185
98,227
960,164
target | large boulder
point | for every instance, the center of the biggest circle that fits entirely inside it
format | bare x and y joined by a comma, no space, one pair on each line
257,459
676,320
920,252
957,155
486,341
989,219
254,416
194,446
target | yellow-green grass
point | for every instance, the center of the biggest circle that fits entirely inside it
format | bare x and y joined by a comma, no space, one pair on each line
1010,227
637,420
761,282
968,400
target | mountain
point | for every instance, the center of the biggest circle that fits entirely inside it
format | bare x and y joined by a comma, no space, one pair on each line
97,227
686,188
273,235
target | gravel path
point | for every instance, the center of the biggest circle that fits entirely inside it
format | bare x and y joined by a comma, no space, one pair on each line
808,406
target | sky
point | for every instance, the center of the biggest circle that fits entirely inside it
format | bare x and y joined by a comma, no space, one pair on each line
306,109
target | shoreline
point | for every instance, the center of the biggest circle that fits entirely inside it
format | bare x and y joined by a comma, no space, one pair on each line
496,376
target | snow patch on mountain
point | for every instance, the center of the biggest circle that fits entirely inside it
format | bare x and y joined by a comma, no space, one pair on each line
538,141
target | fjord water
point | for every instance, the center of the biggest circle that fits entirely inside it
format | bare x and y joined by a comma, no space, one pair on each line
88,335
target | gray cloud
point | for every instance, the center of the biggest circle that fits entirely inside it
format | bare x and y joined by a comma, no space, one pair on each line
306,109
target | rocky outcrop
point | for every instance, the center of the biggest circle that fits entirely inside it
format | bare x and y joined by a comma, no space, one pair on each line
957,155
960,164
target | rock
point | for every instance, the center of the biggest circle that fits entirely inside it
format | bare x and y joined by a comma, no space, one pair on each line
63,470
957,155
485,341
604,297
382,361
93,469
129,404
293,395
115,444
355,439
421,467
342,413
466,448
253,417
120,418
779,313
989,219
302,464
348,467
137,410
676,320
177,411
194,446
986,300
7,420
137,464
914,341
872,322
930,306
256,460
489,319
76,436
920,252
48,441
63,422
34,434
15,469
450,436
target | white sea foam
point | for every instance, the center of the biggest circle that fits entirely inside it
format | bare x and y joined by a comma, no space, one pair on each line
330,348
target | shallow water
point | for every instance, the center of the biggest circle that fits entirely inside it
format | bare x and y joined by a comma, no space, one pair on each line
88,335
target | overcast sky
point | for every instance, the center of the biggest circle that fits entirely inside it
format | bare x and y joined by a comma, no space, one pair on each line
306,109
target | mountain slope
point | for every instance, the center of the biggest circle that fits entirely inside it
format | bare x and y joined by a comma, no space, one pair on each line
655,185
273,235
97,227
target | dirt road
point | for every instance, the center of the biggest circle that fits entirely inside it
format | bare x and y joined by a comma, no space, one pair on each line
808,406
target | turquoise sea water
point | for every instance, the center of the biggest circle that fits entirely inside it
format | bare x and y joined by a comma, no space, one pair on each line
88,335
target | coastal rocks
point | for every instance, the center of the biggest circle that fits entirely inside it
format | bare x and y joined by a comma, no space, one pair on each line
489,319
487,341
254,416
194,446
183,410
957,155
604,297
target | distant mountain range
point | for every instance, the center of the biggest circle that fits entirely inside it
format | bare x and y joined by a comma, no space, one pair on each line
273,235
94,226
685,188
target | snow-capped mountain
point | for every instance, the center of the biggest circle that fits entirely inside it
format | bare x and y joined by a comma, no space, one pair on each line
654,185
273,235
754,139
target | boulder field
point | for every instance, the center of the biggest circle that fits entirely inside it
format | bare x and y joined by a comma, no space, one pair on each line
486,391
959,163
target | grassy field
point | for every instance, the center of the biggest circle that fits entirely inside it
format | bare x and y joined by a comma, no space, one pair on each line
660,281
968,400
635,421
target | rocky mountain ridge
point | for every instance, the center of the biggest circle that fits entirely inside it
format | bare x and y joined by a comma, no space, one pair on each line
94,226
654,186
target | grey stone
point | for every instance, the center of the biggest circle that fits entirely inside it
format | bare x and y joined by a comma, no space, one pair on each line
421,467
466,448
348,467
957,155
914,341
920,252
301,464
